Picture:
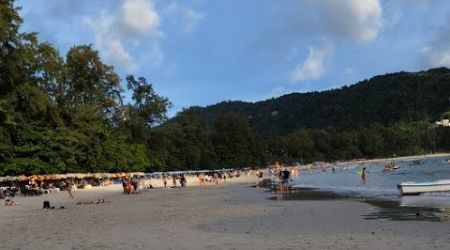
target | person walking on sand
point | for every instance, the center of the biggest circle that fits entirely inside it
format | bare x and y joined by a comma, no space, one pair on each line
69,188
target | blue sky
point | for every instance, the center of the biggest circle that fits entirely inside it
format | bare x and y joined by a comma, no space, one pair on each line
200,52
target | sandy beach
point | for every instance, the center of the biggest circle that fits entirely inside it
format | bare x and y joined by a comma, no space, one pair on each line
226,216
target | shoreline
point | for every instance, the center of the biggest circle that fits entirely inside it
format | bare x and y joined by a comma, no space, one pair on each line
409,157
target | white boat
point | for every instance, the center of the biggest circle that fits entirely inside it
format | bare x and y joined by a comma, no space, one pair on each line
408,188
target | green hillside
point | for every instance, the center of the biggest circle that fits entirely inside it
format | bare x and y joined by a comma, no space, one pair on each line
385,99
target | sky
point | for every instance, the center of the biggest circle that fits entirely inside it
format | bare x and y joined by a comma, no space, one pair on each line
200,52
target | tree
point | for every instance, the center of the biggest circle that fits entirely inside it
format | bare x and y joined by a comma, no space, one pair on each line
150,107
190,142
234,142
89,81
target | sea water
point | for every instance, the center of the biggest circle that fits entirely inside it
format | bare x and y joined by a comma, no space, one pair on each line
380,184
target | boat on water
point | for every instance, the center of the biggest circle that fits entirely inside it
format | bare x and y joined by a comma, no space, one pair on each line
390,167
414,188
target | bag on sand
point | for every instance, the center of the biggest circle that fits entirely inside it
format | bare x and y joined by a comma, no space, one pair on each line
46,205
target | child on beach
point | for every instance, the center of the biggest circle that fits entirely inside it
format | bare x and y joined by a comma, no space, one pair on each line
9,202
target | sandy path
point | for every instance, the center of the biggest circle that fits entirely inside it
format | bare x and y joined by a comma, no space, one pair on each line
214,217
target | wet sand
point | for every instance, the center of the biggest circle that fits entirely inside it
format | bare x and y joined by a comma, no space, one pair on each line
231,216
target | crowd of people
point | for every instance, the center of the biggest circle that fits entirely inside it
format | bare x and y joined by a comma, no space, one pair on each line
132,184
135,184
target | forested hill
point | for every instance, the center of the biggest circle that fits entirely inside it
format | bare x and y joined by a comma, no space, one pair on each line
384,99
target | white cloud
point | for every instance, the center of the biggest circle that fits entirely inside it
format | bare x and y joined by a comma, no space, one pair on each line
436,56
437,51
109,42
135,25
356,20
139,16
314,66
189,19
138,22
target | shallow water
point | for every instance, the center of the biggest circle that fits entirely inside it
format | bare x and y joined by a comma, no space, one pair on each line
379,189
380,184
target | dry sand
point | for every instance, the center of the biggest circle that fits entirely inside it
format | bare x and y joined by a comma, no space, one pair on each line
230,216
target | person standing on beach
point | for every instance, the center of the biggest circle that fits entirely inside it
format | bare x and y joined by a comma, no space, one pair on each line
201,178
286,177
216,178
174,181
124,185
183,180
69,188
164,180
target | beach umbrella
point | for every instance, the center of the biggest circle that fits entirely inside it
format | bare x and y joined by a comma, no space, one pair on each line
137,174
54,177
80,175
69,175
22,178
61,176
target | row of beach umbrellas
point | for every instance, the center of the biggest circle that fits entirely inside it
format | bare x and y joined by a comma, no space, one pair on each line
54,177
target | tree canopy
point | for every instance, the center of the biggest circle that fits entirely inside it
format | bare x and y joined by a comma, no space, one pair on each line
65,113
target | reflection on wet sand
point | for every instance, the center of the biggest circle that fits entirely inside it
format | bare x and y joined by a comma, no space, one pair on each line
410,208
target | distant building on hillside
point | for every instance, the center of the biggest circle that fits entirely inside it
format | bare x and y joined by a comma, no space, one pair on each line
444,123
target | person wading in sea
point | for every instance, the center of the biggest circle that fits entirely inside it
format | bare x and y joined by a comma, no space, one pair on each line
363,175
286,178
